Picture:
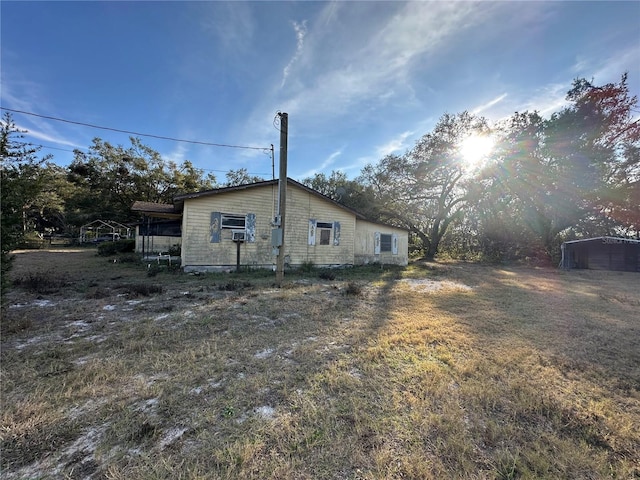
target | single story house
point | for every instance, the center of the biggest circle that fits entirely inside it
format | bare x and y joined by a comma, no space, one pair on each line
218,225
602,253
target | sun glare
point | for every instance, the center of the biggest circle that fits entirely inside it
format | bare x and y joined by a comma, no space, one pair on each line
474,150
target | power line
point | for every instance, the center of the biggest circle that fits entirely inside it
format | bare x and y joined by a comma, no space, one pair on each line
51,148
210,144
82,150
73,151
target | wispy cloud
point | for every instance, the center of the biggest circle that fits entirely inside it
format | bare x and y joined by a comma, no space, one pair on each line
52,138
548,99
37,128
552,97
301,32
178,154
394,145
231,22
340,70
489,104
330,160
379,58
616,65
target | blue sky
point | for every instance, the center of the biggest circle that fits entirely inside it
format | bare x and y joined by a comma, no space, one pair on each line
359,80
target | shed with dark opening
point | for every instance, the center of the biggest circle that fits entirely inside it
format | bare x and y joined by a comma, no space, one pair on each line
602,253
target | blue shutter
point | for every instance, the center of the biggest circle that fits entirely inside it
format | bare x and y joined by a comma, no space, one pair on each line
215,227
376,244
250,227
336,233
394,243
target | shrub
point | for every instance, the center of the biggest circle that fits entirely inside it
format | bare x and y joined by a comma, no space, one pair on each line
141,289
306,266
39,282
175,250
327,275
153,270
6,261
129,258
233,285
107,249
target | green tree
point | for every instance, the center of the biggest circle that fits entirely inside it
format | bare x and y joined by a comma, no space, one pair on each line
240,177
574,174
109,179
428,188
21,182
350,193
47,212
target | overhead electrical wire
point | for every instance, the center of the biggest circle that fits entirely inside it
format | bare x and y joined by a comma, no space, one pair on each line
82,150
161,137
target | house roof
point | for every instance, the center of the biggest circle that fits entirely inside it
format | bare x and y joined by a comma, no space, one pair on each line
605,240
179,199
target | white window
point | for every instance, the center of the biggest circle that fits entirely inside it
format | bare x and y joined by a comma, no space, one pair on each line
320,232
233,221
245,224
324,228
385,243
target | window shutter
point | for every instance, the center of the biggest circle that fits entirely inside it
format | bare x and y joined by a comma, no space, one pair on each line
394,243
312,231
215,227
336,233
250,227
376,244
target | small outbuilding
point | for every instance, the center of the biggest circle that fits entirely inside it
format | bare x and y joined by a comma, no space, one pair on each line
97,229
602,253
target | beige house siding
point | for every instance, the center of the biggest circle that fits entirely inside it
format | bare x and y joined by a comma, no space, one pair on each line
365,249
317,230
198,251
302,207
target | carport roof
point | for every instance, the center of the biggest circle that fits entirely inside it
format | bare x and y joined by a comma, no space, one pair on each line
609,239
156,209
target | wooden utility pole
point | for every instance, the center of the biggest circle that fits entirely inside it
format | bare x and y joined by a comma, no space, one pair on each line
282,194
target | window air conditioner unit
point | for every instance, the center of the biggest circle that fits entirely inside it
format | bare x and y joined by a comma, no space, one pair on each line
238,235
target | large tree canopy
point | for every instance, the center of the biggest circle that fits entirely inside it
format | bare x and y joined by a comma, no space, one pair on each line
426,189
350,193
575,173
108,179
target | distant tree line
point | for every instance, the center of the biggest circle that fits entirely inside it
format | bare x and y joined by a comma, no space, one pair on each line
102,183
574,174
40,197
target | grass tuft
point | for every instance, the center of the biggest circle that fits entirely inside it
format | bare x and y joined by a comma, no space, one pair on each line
41,282
327,274
234,285
140,289
353,289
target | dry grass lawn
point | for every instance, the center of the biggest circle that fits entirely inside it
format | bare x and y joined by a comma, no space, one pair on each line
432,371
